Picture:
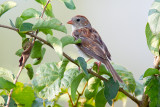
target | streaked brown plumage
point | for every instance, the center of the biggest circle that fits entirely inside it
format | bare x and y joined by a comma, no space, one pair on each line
92,44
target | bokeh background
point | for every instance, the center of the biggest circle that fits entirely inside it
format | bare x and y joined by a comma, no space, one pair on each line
121,24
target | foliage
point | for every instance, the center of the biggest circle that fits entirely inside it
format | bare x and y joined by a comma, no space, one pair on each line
55,79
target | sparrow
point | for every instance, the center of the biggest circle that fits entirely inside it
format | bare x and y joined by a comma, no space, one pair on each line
91,43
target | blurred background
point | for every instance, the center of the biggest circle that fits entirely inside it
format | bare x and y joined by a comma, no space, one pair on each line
120,23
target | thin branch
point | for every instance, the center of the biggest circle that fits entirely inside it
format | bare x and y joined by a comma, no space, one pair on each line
11,91
15,29
70,99
72,60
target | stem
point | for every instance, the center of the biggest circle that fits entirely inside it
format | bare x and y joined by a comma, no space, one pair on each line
70,99
20,70
72,60
79,95
11,91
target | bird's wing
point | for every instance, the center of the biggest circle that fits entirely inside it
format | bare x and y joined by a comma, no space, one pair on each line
92,35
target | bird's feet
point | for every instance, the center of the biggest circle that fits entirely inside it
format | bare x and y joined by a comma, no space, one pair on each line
98,64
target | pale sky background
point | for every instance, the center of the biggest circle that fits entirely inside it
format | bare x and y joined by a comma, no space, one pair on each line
121,24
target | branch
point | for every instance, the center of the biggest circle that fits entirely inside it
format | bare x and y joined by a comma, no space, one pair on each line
31,46
73,61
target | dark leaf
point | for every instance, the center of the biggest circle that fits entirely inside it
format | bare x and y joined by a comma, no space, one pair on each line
110,90
26,27
36,50
19,22
37,61
69,4
82,64
11,23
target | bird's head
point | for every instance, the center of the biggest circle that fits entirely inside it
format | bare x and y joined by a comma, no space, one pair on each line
79,21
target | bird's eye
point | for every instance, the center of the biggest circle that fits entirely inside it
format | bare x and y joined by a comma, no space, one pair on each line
78,20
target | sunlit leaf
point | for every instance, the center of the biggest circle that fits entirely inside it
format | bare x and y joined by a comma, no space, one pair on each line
152,40
46,31
153,91
2,102
5,84
19,52
100,100
30,13
6,74
66,40
49,11
74,85
43,2
6,6
29,71
52,23
56,43
19,22
92,88
23,95
150,72
154,16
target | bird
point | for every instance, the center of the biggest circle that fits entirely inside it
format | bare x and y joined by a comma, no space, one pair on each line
91,44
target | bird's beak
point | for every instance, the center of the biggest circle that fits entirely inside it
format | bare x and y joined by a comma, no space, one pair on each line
70,22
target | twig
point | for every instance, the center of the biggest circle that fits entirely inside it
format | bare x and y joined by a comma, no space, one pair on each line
15,29
11,91
72,60
70,99
80,94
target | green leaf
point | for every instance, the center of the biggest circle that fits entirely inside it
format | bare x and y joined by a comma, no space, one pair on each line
6,74
74,85
63,68
2,102
49,11
38,102
52,23
152,41
92,89
19,22
150,72
153,91
126,76
66,40
11,23
12,102
23,95
36,50
69,4
100,100
29,71
46,31
110,90
5,84
37,61
139,90
30,13
6,6
82,64
153,17
26,27
19,52
102,69
49,86
56,43
43,2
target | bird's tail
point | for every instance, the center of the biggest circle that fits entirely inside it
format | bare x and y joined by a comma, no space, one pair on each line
113,72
